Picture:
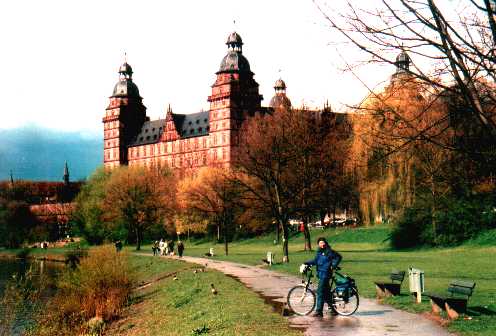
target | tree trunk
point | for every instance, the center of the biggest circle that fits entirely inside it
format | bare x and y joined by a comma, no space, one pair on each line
285,241
138,239
306,232
226,247
278,234
433,210
218,233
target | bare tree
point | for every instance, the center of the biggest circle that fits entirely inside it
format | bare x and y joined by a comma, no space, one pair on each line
459,43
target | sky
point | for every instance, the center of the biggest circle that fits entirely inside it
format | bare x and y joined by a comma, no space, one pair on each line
60,59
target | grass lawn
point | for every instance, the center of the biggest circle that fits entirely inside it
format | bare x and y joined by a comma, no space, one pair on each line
367,258
187,307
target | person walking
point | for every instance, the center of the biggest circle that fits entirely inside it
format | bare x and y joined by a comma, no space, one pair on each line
161,246
180,248
155,248
326,261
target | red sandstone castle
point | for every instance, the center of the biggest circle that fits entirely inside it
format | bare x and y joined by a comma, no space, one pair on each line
186,141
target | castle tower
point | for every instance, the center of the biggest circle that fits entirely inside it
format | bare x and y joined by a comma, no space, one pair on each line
280,100
402,63
123,118
234,97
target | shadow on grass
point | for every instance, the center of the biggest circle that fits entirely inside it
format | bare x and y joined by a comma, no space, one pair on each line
136,299
482,310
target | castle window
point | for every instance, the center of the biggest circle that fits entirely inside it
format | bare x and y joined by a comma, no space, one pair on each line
146,131
192,131
205,120
200,129
153,129
154,137
160,129
141,139
189,123
198,121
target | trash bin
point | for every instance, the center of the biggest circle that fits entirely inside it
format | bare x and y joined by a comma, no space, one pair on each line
416,279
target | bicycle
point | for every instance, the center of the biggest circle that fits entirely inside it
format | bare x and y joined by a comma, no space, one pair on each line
344,294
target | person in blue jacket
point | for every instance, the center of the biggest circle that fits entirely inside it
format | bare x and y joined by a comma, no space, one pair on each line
326,260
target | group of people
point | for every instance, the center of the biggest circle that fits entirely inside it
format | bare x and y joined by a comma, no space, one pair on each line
167,248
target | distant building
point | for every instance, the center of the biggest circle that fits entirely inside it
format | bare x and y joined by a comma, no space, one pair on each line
186,141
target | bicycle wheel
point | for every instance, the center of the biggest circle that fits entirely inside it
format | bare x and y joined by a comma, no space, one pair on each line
343,305
301,300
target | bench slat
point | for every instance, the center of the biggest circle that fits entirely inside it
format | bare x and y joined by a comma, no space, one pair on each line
463,283
460,290
397,275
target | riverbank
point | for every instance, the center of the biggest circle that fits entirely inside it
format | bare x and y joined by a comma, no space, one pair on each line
176,298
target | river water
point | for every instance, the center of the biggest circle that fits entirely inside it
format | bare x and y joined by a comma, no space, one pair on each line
19,267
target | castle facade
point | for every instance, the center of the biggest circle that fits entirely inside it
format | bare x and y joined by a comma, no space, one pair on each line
186,141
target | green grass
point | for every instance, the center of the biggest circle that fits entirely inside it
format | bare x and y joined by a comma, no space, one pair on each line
187,307
368,258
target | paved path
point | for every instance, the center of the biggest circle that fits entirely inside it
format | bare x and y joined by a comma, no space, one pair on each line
371,319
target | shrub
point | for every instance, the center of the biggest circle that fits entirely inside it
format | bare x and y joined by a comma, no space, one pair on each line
99,287
410,230
456,220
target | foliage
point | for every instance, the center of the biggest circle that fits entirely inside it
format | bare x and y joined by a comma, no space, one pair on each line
16,221
136,198
128,203
99,287
21,298
89,209
410,228
213,195
457,220
290,164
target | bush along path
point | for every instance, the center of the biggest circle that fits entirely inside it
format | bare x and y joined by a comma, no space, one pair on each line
371,319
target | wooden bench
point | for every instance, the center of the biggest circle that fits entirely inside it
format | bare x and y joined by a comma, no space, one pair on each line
455,301
390,288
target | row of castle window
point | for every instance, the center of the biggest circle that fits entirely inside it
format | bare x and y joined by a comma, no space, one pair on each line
188,161
185,145
111,125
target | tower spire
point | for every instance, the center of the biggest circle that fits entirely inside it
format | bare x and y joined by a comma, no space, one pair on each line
66,174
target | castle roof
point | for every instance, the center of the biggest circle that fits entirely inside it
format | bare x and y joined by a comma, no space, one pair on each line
188,126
